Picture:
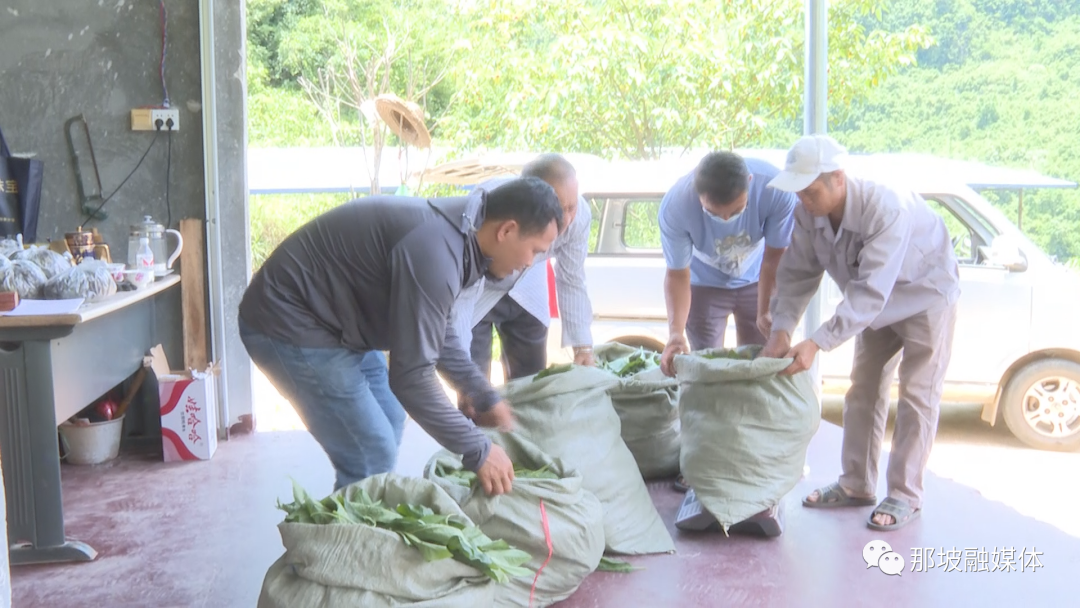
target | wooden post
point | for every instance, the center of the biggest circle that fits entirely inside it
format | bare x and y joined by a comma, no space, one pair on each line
193,288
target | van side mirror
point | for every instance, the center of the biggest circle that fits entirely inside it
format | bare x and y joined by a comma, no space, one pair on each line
1005,253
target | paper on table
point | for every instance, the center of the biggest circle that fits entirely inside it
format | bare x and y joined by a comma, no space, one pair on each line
45,307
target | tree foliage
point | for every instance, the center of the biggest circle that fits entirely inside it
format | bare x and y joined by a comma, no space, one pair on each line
1011,100
988,80
633,79
341,54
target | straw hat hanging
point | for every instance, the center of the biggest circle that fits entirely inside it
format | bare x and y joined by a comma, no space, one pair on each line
405,119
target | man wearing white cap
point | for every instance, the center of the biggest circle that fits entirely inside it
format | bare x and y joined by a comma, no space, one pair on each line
891,256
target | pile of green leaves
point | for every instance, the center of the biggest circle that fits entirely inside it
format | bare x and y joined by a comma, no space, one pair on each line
554,369
637,361
730,354
468,479
435,536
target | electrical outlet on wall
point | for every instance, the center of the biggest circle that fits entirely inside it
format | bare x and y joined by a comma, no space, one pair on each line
146,119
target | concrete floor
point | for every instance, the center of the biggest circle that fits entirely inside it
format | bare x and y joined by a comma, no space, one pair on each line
203,535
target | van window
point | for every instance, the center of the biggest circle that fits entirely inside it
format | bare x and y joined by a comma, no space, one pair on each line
959,232
596,206
641,225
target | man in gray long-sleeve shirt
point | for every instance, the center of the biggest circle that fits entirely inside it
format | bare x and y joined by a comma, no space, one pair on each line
382,274
891,256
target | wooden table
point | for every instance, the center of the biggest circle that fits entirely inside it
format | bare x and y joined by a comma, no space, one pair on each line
51,367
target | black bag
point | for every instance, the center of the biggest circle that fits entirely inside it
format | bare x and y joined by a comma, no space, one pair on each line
20,194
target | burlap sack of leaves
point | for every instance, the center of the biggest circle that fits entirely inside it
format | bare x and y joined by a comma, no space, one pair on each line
330,565
745,430
568,414
575,519
647,402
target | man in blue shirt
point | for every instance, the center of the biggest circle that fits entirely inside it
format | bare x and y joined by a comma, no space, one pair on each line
723,233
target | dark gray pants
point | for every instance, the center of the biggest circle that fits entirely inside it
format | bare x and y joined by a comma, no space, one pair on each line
710,308
523,337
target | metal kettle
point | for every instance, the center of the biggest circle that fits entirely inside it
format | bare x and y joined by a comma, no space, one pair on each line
155,233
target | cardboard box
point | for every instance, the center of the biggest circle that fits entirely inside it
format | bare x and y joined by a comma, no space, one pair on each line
188,410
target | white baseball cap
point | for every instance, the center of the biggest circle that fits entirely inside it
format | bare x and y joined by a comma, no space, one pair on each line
811,156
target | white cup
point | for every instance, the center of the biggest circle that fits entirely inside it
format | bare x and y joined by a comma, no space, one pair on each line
140,278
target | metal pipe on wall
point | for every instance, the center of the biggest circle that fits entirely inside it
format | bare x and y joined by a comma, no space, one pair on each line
816,95
815,120
213,210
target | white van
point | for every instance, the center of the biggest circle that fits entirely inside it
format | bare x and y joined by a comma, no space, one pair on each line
1017,343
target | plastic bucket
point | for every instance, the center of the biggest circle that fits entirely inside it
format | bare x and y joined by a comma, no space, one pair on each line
99,442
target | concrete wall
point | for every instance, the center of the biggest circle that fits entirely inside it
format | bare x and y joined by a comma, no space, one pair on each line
232,220
62,58
100,59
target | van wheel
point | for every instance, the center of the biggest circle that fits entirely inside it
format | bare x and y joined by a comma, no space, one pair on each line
641,342
1041,405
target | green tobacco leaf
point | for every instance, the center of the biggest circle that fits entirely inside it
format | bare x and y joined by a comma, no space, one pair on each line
413,511
541,473
431,551
729,354
633,363
554,369
345,516
375,514
436,536
436,518
469,479
438,533
614,565
461,477
510,557
300,495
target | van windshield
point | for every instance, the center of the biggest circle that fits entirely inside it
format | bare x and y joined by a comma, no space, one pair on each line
1000,224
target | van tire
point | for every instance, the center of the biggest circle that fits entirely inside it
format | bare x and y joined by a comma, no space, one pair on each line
1016,401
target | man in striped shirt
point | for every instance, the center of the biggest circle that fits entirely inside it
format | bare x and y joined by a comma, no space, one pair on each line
517,306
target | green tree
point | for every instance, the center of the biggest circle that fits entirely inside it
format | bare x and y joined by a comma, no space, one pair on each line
341,54
632,79
280,115
1010,101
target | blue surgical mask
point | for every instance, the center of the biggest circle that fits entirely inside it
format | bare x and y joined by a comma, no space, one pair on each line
720,220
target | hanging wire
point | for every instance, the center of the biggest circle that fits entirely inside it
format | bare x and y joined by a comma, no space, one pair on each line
93,214
168,170
164,41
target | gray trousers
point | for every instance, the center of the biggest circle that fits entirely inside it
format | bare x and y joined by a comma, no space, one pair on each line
710,308
926,342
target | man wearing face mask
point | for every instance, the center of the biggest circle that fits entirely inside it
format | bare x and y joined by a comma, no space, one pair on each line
381,274
722,232
517,306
